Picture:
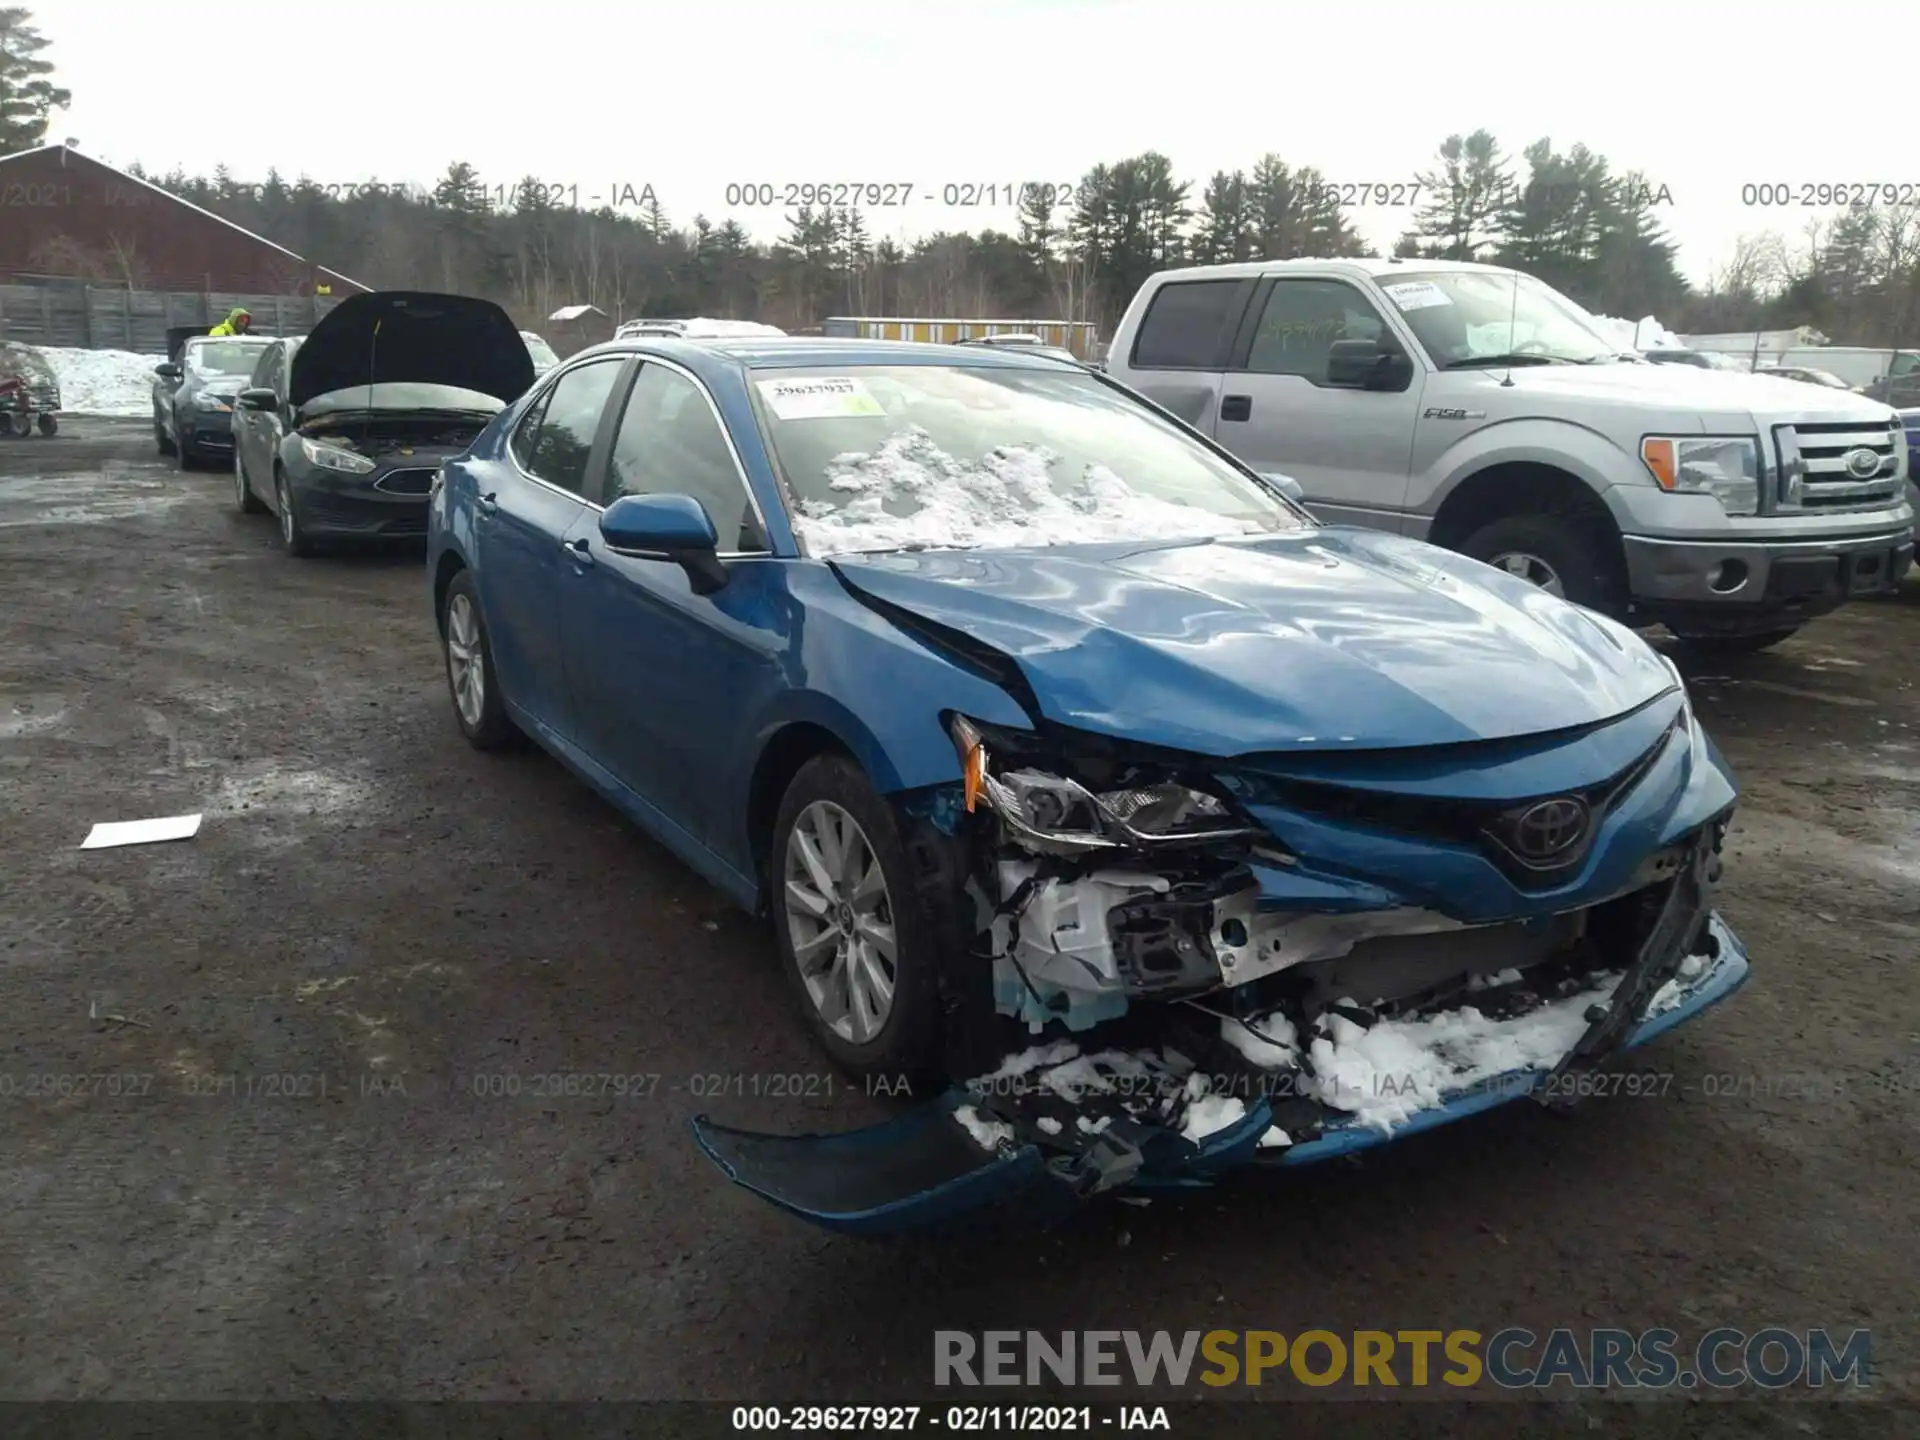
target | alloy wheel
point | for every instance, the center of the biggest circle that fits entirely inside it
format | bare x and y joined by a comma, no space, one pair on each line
286,510
1532,569
239,479
840,921
466,668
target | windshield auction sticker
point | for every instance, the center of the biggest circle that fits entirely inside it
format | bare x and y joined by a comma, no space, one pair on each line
819,398
1417,294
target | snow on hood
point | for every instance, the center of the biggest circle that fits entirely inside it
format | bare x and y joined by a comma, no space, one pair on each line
103,382
911,493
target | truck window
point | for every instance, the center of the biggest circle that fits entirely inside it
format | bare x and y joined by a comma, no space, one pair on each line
1301,321
1185,326
1905,363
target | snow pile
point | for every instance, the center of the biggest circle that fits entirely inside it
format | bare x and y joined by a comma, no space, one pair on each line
103,382
910,492
1651,334
987,1134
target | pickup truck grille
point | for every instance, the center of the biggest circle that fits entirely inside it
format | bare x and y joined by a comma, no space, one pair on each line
1821,467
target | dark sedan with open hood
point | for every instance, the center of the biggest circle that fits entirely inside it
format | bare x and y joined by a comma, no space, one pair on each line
340,434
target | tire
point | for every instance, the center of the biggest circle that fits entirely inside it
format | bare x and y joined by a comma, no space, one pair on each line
189,457
19,426
1733,644
1568,549
467,651
293,539
248,502
905,1041
49,425
162,441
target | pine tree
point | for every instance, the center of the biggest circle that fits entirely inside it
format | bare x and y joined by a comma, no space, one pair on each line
1226,228
27,96
1465,195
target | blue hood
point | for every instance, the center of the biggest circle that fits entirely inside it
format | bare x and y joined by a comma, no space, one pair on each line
1332,639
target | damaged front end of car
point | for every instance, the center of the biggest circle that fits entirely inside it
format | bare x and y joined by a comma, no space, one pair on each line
1162,967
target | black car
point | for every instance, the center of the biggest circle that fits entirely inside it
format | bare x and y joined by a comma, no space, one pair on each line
341,433
193,394
29,391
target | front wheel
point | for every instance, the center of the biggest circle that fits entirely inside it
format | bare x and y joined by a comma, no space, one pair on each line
1561,554
857,947
161,440
48,424
471,676
293,538
1733,644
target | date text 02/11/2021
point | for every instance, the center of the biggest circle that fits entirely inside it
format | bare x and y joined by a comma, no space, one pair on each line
1014,1419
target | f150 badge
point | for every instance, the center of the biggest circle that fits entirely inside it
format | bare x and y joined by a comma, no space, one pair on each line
1441,412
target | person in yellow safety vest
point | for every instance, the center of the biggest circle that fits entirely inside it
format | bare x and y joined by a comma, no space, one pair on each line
238,322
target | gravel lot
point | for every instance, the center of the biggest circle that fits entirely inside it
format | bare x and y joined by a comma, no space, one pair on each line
307,1197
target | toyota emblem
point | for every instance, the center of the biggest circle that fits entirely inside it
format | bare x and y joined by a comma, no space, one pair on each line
1547,830
1862,463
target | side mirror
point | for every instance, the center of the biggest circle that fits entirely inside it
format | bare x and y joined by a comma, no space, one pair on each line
667,527
168,371
258,398
1367,365
1286,485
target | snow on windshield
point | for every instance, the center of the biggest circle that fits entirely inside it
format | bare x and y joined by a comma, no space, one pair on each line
911,493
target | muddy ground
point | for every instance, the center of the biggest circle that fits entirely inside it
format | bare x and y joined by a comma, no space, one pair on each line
389,920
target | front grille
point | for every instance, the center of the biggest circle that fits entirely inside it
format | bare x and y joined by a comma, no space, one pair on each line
1485,825
406,525
405,482
1814,468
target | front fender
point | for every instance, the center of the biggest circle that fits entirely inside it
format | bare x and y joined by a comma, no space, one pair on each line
1582,452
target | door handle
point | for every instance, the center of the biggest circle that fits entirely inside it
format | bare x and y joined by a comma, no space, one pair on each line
488,505
1236,407
578,551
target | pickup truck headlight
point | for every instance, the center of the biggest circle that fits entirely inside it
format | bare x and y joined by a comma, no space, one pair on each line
1725,467
328,457
1057,812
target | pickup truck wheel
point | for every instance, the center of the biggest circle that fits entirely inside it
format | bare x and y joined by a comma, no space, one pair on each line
1733,644
855,943
1555,552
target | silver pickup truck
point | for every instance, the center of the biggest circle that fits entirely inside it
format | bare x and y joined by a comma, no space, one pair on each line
1480,409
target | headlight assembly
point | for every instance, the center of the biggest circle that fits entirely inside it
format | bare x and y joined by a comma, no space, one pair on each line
1057,812
1725,467
212,402
329,457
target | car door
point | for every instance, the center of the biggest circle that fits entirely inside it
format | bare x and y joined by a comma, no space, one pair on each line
1349,448
538,494
249,425
662,676
1182,346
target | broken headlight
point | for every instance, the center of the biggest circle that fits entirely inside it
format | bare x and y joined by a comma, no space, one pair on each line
1058,812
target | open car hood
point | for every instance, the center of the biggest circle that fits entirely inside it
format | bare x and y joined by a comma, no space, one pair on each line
1336,638
413,335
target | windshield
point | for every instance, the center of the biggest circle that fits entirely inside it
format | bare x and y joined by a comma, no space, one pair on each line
225,357
1465,317
936,456
403,395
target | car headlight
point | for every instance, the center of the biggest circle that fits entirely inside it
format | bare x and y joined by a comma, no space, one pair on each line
328,457
1725,467
1058,812
212,402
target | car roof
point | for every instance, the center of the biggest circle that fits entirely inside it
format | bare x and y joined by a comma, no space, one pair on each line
754,352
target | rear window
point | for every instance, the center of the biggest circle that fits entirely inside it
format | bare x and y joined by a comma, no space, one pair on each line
1185,326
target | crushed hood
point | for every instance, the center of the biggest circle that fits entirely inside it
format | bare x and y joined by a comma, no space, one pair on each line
413,335
1333,639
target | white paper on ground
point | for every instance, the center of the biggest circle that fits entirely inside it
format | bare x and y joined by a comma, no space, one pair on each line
141,832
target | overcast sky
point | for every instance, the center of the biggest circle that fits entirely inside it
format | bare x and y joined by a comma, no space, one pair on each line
1704,96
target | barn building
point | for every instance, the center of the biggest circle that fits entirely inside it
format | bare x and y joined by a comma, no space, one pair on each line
67,216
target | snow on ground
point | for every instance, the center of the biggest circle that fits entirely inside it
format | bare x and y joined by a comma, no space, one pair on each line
102,382
1006,497
1651,334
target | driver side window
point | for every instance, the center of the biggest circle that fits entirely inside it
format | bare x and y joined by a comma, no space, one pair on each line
1301,321
670,443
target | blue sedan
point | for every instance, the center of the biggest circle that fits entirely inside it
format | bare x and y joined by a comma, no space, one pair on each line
1143,826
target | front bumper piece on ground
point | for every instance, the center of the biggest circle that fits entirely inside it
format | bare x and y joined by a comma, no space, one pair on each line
925,1170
